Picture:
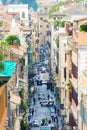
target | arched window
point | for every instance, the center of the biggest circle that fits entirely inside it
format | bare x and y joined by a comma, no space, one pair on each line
23,14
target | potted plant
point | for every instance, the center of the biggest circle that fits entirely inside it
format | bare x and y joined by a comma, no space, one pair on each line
83,28
13,40
68,85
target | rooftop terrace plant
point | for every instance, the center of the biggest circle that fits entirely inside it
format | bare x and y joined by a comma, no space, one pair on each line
1,62
83,28
13,39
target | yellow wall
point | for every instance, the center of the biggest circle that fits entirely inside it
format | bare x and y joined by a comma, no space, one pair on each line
84,127
84,81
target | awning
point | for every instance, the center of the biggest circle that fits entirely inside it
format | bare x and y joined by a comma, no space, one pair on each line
17,124
15,99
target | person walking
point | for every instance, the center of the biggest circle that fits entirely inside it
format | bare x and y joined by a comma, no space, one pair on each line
55,108
34,100
32,111
29,128
48,96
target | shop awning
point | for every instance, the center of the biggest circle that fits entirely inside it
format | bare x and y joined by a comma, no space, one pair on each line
15,99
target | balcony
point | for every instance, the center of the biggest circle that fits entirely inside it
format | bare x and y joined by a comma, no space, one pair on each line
67,49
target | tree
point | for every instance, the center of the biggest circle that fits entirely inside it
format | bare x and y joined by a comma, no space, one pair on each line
83,28
13,39
1,62
5,48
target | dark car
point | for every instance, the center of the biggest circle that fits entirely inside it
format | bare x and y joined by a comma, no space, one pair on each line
43,100
44,103
39,82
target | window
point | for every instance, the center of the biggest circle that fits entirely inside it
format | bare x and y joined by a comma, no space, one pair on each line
40,26
41,18
29,18
45,8
74,70
47,26
23,14
74,96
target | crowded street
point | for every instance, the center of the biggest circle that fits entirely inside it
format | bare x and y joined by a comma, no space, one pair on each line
42,113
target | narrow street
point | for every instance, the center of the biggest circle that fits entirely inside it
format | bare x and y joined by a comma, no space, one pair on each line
44,111
41,112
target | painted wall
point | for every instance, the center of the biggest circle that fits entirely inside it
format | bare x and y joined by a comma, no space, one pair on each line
20,9
82,84
3,107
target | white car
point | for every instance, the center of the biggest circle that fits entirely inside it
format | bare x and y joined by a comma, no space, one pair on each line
36,77
34,123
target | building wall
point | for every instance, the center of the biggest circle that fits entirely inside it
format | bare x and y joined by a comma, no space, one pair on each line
82,38
79,36
62,41
43,27
68,66
74,79
3,107
21,9
82,84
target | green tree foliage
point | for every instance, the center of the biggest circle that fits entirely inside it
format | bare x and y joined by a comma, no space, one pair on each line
21,93
53,9
1,61
12,39
61,3
57,42
68,85
62,23
56,23
1,24
24,125
24,105
3,54
83,28
79,1
1,57
1,66
5,48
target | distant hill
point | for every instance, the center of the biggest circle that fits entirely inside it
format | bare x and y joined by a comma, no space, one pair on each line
31,3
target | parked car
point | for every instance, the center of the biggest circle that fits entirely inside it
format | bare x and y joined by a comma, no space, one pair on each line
40,94
43,100
39,82
50,103
34,123
44,103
